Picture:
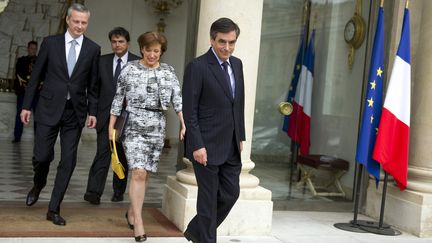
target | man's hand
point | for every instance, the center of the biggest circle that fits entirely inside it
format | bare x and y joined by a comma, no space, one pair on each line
241,146
91,122
200,156
25,116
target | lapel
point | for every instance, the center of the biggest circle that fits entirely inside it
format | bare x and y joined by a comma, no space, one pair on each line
236,71
217,71
109,68
62,54
132,57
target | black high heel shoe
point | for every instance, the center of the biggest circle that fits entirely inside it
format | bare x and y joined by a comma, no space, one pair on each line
141,238
129,224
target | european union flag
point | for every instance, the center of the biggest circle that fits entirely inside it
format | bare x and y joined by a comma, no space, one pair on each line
295,77
373,103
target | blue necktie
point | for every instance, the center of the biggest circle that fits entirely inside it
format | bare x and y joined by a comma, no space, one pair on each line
117,70
71,59
227,77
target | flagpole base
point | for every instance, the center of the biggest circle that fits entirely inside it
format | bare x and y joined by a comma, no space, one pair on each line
381,231
367,223
350,227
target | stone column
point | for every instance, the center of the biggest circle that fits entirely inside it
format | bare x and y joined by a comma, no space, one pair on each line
179,201
420,157
414,205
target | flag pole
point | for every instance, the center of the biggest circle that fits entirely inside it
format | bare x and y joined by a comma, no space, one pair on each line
383,198
294,147
353,225
382,143
382,229
294,151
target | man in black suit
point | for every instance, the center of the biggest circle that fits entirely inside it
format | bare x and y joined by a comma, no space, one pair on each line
23,69
213,108
68,66
109,69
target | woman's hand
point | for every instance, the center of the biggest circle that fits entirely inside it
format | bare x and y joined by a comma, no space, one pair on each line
112,121
110,133
182,132
182,124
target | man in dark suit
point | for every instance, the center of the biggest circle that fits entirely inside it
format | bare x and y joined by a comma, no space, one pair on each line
213,108
23,69
109,69
68,66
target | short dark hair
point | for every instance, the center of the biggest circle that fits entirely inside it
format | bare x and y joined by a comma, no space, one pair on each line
223,25
150,38
32,43
119,31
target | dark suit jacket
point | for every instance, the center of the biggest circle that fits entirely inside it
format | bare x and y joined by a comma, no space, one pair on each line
51,68
23,69
212,116
107,87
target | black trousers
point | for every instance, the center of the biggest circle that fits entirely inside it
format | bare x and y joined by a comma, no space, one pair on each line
218,190
102,163
46,136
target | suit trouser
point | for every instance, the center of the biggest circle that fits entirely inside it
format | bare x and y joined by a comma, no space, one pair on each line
218,190
18,130
101,165
46,136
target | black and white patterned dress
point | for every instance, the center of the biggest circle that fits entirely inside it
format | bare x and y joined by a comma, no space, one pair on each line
148,92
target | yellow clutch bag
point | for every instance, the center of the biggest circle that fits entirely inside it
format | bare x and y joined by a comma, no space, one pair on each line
116,166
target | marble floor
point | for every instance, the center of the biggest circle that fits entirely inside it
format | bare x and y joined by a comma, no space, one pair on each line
287,227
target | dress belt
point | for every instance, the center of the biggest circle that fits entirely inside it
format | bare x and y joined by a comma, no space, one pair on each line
154,110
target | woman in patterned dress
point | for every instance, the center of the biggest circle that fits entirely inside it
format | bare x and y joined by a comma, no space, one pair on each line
148,87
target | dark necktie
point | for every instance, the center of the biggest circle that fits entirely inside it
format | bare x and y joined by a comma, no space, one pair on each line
227,76
117,70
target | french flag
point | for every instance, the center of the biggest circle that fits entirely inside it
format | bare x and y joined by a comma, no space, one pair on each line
391,147
300,120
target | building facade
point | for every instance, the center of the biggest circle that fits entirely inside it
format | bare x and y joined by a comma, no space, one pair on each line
270,36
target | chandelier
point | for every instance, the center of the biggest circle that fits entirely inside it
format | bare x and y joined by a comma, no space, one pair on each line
162,8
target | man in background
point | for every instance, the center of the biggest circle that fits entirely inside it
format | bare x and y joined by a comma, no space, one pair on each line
23,70
109,69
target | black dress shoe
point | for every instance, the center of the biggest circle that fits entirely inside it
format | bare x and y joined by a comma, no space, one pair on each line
190,237
55,218
92,198
141,238
33,196
16,140
117,198
131,226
